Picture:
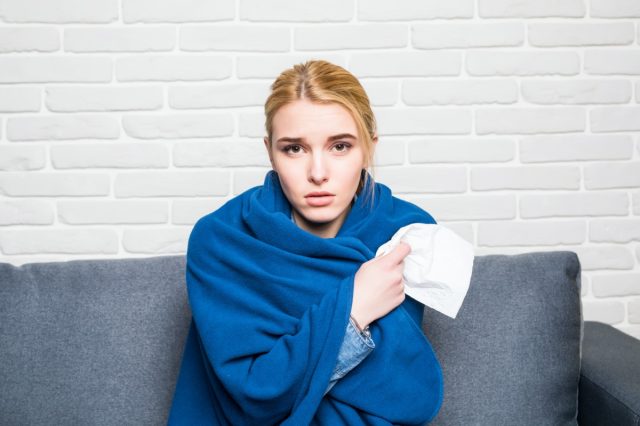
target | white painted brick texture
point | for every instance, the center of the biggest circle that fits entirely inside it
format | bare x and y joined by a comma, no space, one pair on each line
516,123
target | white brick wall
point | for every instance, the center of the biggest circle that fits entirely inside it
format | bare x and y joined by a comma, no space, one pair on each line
516,123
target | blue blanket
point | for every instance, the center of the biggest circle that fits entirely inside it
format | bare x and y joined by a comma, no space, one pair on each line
270,305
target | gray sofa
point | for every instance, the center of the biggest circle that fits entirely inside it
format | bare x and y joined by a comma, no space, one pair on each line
99,342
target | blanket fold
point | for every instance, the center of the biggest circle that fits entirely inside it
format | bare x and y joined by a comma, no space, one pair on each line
270,304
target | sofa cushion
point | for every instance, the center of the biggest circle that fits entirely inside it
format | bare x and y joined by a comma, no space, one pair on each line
91,342
512,354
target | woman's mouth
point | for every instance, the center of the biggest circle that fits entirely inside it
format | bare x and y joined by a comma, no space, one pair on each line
319,199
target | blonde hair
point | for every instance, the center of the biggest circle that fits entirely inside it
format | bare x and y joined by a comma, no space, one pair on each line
323,82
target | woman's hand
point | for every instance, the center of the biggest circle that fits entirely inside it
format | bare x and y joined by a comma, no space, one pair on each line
378,286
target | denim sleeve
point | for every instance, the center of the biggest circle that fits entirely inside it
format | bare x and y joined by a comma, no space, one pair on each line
355,348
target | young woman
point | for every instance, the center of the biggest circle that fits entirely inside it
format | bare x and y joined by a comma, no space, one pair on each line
295,321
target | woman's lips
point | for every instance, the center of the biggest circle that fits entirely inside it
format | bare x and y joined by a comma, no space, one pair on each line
320,201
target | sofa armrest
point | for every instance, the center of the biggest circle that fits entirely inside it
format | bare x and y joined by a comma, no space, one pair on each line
609,389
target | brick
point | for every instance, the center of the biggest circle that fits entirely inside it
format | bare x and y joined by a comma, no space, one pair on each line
584,285
252,125
54,69
550,92
410,10
294,11
174,126
149,11
187,212
71,241
547,233
581,147
603,256
466,35
615,9
610,175
381,92
529,120
104,98
581,34
525,177
407,121
26,212
220,153
32,39
16,184
178,184
117,155
243,179
20,99
405,64
349,36
510,250
389,152
236,37
59,12
634,316
22,157
608,312
469,207
614,61
636,204
459,92
222,96
523,63
423,179
84,212
119,39
578,204
614,230
615,119
270,66
173,68
638,89
59,127
531,9
461,150
156,241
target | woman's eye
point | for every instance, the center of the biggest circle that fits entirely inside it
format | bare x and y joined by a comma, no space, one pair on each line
342,147
292,148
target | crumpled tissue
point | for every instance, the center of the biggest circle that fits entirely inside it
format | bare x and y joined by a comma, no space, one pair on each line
437,271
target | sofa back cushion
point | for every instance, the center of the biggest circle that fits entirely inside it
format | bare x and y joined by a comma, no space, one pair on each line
512,354
91,342
100,341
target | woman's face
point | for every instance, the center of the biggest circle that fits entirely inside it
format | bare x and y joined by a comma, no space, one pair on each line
318,156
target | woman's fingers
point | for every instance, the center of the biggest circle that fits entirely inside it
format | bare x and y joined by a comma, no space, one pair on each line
398,254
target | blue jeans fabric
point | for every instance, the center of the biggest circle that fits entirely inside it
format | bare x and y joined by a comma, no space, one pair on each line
355,348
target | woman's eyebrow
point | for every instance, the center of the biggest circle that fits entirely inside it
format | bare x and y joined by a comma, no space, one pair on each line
331,138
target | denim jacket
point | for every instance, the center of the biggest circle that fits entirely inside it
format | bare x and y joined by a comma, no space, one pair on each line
355,348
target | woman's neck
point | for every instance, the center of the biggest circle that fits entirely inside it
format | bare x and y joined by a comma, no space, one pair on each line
322,230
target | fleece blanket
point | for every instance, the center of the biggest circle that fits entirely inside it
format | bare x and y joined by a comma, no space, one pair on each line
270,304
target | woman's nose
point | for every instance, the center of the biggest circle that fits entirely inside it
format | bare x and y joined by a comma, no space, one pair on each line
318,172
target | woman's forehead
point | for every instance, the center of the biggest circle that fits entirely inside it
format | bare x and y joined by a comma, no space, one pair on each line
304,118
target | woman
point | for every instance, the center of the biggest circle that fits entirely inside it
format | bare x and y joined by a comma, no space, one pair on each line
295,321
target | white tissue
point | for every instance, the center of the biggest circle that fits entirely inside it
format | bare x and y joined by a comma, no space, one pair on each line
437,271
